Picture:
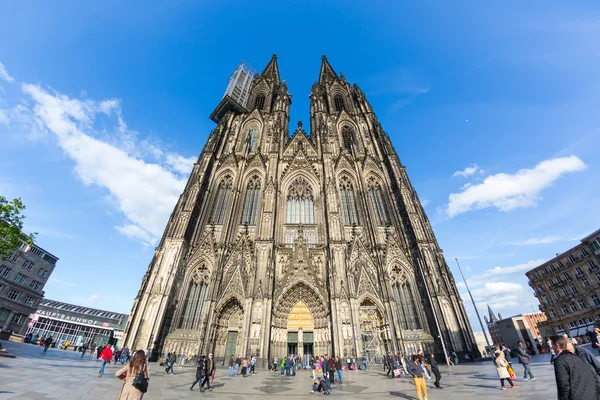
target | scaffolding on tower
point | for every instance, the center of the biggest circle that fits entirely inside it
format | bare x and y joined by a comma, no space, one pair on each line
237,92
370,334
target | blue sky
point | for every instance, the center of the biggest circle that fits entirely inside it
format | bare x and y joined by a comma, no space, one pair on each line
492,107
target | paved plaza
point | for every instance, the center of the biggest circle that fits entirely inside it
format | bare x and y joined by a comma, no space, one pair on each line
60,374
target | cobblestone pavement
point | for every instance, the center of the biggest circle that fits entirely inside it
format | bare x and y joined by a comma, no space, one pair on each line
60,374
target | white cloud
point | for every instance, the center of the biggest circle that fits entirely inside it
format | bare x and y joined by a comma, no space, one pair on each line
93,298
142,180
497,273
4,75
544,240
499,296
179,163
470,170
144,192
508,192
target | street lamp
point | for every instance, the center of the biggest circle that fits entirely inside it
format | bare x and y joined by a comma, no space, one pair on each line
474,306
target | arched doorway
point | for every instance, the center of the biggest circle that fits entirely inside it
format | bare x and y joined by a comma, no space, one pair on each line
371,331
300,322
300,332
228,328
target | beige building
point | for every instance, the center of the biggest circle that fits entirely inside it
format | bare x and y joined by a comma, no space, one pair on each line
22,278
568,287
297,243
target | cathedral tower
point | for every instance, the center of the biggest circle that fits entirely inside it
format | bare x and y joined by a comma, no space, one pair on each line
297,244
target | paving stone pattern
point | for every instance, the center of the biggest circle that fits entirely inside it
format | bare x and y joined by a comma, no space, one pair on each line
60,374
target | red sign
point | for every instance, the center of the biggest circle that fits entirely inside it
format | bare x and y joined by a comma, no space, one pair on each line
105,324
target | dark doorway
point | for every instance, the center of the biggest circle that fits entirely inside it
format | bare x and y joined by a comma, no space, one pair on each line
293,348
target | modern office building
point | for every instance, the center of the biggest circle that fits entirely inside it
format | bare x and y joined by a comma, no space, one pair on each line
22,278
77,324
568,287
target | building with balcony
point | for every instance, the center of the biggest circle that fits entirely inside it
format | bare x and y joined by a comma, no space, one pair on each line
23,275
568,287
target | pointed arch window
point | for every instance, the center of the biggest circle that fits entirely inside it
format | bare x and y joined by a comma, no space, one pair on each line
377,201
338,102
222,200
406,307
193,305
300,203
349,214
252,138
347,139
259,102
252,199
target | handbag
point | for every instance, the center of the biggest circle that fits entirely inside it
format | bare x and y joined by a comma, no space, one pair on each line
140,382
214,373
511,372
397,373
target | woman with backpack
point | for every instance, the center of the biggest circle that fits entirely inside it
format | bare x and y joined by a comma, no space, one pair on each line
134,386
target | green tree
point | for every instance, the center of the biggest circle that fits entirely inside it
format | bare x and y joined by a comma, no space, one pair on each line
11,226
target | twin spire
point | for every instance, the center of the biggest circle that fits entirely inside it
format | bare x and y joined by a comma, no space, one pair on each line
271,71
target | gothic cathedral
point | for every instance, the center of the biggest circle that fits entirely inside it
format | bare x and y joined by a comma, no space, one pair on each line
304,244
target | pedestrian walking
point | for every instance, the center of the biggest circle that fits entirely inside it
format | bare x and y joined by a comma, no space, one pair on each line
124,354
574,379
454,357
238,363
210,370
170,361
319,377
338,368
253,365
105,357
244,367
389,365
230,367
418,377
200,372
134,389
502,370
524,359
588,359
84,349
435,370
331,368
47,343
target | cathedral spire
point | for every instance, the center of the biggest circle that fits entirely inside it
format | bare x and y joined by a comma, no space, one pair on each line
271,70
493,317
327,71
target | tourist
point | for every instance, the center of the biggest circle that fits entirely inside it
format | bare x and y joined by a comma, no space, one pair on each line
326,379
436,371
588,358
84,349
128,373
416,371
210,371
364,361
454,357
230,367
244,367
294,361
524,359
502,370
252,365
238,363
574,380
331,369
288,365
124,354
200,372
105,357
47,343
170,361
403,364
99,351
338,368
318,378
597,338
449,356
282,364
388,363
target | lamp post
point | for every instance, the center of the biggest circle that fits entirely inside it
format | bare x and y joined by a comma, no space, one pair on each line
437,324
474,306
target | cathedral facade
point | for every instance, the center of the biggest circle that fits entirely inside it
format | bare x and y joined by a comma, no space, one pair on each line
298,244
